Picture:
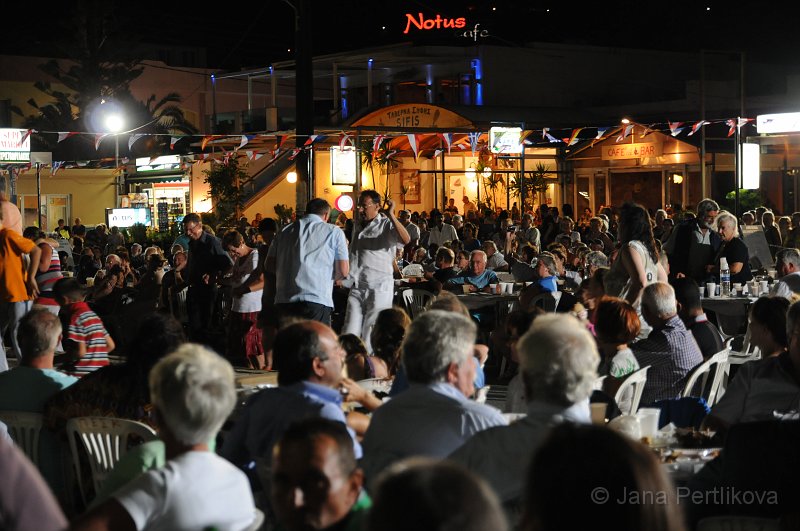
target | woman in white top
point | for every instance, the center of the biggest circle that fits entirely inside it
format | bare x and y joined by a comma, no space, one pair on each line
244,335
636,265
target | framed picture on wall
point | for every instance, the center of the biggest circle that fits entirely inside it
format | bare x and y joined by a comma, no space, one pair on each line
410,181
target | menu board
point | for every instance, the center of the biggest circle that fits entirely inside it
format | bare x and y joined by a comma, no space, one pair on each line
163,215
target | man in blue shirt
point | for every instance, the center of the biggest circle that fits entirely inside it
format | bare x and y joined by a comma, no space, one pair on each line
310,359
477,277
302,263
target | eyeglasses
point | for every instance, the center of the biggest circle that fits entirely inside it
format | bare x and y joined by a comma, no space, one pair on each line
193,228
364,206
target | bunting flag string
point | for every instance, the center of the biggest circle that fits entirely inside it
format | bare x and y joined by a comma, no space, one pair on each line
245,140
647,130
64,136
696,127
675,128
55,167
172,141
625,133
412,139
473,141
25,136
437,152
134,138
448,139
204,142
573,138
343,139
376,142
295,152
731,127
99,138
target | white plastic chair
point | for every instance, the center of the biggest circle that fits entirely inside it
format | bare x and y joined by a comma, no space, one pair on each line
718,362
376,385
637,380
415,301
104,441
24,428
482,393
749,351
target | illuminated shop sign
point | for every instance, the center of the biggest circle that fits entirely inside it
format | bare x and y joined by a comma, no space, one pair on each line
12,146
421,23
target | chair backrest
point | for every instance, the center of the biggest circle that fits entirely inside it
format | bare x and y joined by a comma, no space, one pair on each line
598,383
719,364
24,428
104,441
637,380
415,301
179,309
376,385
546,301
482,393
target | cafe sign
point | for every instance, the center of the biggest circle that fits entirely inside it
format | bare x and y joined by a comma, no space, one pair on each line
15,145
632,151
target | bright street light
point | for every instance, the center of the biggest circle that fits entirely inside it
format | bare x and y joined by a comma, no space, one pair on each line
114,123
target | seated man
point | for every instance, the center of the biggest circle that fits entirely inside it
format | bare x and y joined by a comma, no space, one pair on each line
546,281
476,278
558,364
494,258
434,416
690,310
29,386
316,458
309,359
670,350
787,263
522,268
762,389
445,260
193,391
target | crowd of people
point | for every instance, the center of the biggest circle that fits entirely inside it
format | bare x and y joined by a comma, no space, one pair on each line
100,326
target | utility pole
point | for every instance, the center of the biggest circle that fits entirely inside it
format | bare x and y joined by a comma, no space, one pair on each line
304,104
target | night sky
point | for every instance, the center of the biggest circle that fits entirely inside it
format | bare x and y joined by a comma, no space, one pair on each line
248,35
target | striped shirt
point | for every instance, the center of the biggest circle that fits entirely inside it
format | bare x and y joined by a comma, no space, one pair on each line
86,327
48,279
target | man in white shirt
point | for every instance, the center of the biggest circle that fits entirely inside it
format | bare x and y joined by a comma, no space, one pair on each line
441,232
494,258
558,363
413,233
372,253
527,233
434,416
787,262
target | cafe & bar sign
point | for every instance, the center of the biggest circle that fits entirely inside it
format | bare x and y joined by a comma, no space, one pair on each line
632,151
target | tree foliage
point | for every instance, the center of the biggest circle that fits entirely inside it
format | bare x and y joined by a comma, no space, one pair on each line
224,181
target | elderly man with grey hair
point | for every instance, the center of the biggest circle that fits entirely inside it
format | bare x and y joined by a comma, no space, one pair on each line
694,244
193,392
787,262
558,363
670,350
477,277
435,415
495,260
595,260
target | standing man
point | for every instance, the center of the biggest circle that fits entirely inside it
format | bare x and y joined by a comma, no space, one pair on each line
441,232
693,244
372,251
469,206
207,261
303,262
528,234
18,285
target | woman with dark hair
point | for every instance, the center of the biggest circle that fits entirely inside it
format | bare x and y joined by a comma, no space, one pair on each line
768,326
636,265
386,337
245,346
584,475
470,243
356,358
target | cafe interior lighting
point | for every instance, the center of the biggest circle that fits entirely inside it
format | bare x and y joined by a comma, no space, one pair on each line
677,178
291,177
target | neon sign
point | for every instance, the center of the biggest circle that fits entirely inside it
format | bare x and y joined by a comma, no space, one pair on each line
433,23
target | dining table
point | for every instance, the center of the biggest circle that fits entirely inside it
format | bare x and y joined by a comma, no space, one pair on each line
730,312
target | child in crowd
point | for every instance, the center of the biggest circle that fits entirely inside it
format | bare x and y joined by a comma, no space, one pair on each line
85,340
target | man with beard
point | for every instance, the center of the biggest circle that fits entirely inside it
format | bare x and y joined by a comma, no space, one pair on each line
693,244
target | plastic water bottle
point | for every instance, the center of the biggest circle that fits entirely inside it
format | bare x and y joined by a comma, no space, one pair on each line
724,278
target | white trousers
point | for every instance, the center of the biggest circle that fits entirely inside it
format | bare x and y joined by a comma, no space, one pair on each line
363,306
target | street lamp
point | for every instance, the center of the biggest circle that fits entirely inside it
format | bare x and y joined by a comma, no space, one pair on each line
114,124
